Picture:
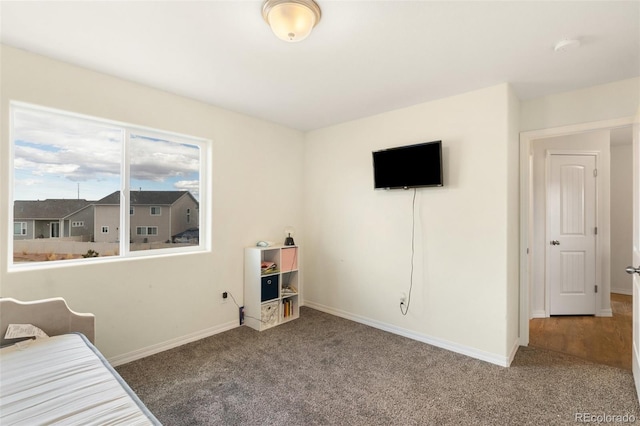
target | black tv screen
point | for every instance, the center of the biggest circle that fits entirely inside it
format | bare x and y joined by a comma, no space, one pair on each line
408,166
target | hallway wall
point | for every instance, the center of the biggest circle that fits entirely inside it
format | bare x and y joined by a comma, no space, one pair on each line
621,217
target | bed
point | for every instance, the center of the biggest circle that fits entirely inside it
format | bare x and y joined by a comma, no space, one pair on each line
63,378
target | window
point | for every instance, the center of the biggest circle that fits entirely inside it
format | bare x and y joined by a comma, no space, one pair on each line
147,230
188,215
97,169
19,228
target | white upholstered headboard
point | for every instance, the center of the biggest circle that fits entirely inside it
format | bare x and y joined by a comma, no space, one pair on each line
52,316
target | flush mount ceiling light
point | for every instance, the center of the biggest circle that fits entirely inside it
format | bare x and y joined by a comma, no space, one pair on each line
291,20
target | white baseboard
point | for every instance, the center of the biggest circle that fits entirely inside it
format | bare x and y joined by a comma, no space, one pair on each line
514,350
170,344
538,314
635,366
492,358
605,313
628,292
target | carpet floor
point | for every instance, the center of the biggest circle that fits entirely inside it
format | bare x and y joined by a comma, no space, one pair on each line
325,370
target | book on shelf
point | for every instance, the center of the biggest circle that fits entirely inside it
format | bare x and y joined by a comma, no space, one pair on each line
287,308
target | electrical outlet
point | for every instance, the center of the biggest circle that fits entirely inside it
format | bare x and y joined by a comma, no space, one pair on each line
403,298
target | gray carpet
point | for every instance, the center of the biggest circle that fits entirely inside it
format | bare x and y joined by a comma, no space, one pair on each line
325,370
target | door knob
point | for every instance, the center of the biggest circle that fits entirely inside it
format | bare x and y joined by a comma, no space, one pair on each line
632,270
555,243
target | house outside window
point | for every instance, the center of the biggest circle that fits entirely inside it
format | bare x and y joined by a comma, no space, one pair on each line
147,230
125,177
19,228
188,215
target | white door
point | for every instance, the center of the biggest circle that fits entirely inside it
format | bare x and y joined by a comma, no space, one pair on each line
571,234
636,255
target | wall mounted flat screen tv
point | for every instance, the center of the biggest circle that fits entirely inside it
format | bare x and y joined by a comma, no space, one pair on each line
410,166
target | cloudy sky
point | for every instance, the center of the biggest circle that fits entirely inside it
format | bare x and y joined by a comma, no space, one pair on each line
58,156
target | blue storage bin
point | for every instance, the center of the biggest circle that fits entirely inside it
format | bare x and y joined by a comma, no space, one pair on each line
269,288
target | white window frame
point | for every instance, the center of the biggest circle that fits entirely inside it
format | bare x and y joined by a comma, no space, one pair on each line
23,228
132,211
155,208
104,230
77,224
205,177
188,215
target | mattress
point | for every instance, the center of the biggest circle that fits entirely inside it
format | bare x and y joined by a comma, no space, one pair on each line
65,380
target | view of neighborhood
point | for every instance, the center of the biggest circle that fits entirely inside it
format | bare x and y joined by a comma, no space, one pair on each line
66,169
65,229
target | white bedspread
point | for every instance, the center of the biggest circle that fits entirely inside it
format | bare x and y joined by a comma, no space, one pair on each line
60,380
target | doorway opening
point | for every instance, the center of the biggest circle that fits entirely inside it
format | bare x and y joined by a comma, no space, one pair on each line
567,333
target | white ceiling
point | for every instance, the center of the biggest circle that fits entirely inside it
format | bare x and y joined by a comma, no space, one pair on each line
363,58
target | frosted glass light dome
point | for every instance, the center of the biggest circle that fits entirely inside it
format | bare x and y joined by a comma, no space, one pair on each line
291,20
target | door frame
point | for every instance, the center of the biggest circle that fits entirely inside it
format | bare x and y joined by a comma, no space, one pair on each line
526,204
635,285
598,251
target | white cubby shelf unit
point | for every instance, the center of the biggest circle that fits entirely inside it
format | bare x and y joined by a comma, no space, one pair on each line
271,286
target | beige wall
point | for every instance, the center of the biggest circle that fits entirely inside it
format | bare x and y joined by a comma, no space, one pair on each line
622,217
604,102
513,220
142,303
464,295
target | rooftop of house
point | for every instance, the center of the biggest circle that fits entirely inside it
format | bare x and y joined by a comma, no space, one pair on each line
47,209
60,208
144,197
